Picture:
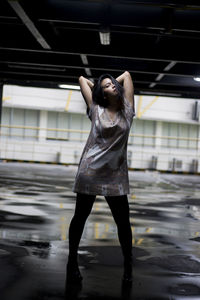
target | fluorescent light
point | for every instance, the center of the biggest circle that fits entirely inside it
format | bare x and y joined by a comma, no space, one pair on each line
68,86
152,84
88,71
105,37
170,65
196,78
84,59
28,23
159,77
160,94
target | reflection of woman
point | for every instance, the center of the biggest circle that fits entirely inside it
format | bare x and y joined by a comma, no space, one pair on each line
103,165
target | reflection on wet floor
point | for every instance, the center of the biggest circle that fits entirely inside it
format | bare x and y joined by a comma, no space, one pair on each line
36,206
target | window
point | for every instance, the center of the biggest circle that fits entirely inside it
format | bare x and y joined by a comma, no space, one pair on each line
14,117
67,126
180,135
86,125
142,132
75,124
57,121
6,116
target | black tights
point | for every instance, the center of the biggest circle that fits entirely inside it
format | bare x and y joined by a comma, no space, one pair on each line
120,210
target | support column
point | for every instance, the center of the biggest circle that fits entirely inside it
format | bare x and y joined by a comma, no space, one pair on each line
198,150
1,100
158,143
43,125
158,140
198,145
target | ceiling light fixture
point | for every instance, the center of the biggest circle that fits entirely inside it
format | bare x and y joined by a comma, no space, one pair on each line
159,77
84,59
28,23
197,78
152,84
69,87
159,93
88,71
170,65
104,36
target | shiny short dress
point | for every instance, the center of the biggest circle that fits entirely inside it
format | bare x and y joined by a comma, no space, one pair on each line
103,166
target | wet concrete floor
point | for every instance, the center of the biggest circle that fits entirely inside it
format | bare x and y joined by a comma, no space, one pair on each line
36,206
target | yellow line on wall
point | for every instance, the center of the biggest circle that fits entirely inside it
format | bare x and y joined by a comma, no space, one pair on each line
6,98
68,100
96,230
149,105
139,107
139,112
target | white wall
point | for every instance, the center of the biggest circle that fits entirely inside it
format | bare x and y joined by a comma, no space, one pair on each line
70,152
147,107
158,109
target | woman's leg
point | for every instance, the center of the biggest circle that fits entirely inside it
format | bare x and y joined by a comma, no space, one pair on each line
83,208
120,210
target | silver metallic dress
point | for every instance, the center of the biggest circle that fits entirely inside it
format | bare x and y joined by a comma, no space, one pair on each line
103,165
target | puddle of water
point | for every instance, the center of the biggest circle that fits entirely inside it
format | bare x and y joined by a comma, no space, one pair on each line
165,214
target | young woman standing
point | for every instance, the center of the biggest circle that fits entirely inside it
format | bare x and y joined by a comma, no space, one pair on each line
103,165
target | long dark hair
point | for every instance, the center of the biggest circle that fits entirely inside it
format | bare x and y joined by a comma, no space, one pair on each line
98,93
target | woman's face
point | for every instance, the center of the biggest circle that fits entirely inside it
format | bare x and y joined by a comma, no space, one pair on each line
108,87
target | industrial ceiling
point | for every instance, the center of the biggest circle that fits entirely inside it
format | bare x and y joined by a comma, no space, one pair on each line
45,43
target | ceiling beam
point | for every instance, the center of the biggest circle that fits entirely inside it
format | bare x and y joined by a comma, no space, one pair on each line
140,87
167,68
28,23
63,68
179,4
174,33
56,78
142,58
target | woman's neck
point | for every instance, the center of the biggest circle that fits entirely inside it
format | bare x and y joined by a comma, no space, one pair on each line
114,104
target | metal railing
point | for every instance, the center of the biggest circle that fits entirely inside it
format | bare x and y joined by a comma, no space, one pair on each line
81,139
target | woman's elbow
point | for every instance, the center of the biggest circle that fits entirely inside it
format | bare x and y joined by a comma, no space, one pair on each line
81,78
126,73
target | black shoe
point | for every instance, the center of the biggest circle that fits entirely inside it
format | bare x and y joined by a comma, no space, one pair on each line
127,279
73,274
127,276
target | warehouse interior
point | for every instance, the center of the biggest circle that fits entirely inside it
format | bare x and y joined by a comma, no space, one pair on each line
45,46
50,47
54,42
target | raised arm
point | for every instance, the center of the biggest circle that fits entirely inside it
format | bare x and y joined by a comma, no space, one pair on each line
86,89
126,80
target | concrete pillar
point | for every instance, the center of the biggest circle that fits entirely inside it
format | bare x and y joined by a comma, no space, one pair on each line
1,99
158,133
198,150
43,125
198,145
